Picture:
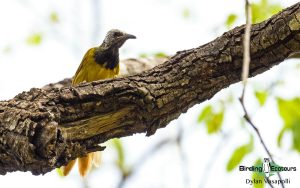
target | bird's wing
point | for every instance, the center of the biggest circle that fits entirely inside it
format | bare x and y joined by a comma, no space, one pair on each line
81,73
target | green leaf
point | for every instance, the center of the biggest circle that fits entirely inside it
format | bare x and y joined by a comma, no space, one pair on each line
296,136
207,111
290,114
263,10
59,172
239,154
231,20
54,17
289,111
34,39
212,120
261,97
120,151
280,135
123,167
237,157
257,176
214,124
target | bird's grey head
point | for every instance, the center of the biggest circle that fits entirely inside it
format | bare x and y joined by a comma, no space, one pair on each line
116,38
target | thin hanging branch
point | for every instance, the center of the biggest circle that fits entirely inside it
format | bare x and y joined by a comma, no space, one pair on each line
44,129
245,74
246,47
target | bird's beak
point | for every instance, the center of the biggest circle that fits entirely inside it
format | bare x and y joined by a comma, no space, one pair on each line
129,36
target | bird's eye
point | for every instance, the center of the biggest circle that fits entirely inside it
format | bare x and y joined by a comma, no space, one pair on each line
117,34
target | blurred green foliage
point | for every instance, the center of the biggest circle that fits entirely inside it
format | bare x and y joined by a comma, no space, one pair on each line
261,97
156,54
7,49
54,17
34,39
120,152
186,13
257,176
231,18
120,162
239,154
59,172
213,120
289,111
144,55
160,54
263,10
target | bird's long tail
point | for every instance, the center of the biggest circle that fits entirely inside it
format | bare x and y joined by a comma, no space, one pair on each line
85,163
67,169
97,158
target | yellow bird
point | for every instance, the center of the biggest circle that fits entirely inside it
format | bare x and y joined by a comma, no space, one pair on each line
98,63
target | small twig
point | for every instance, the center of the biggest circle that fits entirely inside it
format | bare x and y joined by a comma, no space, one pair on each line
247,118
245,75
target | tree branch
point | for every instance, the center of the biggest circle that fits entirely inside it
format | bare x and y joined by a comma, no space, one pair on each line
128,67
44,129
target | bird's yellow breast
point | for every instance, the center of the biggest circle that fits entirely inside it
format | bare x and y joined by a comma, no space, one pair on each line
89,70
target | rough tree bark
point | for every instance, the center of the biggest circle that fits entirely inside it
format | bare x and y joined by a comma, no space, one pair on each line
43,129
127,67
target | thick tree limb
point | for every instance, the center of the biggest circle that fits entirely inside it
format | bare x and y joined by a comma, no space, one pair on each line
128,67
41,130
